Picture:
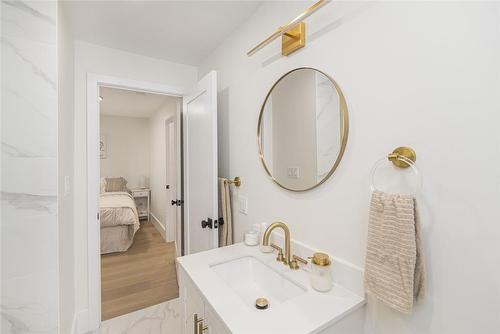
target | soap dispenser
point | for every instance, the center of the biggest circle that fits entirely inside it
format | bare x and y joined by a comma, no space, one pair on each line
321,272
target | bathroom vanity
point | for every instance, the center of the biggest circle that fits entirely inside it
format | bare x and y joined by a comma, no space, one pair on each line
219,289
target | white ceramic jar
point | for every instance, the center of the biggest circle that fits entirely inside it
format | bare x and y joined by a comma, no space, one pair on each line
251,238
321,272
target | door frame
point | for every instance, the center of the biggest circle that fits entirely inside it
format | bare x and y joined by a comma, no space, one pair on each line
94,81
177,236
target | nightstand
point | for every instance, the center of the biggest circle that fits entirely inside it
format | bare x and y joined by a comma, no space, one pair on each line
142,202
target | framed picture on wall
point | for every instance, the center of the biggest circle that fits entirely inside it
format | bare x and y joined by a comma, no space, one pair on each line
103,147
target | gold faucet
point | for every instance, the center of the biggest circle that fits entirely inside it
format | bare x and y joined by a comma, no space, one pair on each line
267,234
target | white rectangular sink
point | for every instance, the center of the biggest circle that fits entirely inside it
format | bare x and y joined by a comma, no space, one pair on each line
252,279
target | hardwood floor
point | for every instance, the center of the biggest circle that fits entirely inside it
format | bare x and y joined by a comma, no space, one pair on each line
142,276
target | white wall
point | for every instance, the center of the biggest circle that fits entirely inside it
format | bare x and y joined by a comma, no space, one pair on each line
105,61
128,148
29,193
65,188
419,74
158,166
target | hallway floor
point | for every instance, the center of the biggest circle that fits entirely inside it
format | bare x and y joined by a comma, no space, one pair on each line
142,276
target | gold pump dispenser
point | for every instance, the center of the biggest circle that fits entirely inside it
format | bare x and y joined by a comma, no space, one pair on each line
320,259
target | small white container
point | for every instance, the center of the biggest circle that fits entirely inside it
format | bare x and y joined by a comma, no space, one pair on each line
251,238
321,272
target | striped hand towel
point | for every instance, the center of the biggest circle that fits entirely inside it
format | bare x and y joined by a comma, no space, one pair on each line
394,269
226,230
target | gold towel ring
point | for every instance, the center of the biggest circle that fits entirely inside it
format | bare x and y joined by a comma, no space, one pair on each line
401,157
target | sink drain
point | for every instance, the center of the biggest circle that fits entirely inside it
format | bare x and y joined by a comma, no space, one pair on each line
261,303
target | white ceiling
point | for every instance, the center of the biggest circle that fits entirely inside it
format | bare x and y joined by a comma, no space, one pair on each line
179,31
127,103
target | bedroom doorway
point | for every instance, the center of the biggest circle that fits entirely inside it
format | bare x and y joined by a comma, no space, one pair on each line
196,167
138,181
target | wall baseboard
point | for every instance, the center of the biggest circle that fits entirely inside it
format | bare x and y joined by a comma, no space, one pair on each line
80,322
73,324
159,226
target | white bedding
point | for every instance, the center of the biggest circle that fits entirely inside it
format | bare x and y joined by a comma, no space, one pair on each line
119,221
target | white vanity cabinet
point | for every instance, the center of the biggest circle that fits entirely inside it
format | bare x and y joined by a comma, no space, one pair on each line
195,306
219,287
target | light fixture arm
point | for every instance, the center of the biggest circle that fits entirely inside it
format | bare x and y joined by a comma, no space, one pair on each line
283,30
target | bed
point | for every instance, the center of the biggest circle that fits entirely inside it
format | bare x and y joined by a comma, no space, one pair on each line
118,216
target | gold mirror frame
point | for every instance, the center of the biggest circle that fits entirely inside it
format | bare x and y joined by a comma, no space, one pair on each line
343,133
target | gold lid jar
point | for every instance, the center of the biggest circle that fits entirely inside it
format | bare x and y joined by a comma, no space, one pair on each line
321,259
321,272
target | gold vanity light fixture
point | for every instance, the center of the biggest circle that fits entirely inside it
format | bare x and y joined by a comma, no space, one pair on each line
293,34
403,151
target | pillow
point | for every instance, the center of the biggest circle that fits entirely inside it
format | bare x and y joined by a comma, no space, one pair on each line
103,185
116,184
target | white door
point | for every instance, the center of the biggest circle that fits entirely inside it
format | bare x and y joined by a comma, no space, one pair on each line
171,179
179,244
200,165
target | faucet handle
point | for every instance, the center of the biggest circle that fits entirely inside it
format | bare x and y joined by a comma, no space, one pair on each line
278,248
294,265
280,256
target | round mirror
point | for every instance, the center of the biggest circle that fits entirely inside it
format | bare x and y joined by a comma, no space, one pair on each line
302,129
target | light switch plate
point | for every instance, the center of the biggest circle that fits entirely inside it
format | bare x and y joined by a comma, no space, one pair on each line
67,186
292,172
243,204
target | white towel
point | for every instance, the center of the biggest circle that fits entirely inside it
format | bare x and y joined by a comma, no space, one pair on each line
394,269
225,230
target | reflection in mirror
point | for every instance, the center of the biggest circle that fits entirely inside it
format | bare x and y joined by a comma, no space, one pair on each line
302,129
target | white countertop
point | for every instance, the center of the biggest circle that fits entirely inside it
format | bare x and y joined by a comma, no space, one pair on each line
309,312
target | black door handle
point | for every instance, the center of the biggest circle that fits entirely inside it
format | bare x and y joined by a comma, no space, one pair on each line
207,223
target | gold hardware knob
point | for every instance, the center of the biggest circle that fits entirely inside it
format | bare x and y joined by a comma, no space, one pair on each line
261,303
278,248
294,263
236,181
201,328
320,259
280,256
400,154
197,322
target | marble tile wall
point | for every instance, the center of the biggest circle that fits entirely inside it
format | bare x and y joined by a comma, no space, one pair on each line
327,124
29,254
